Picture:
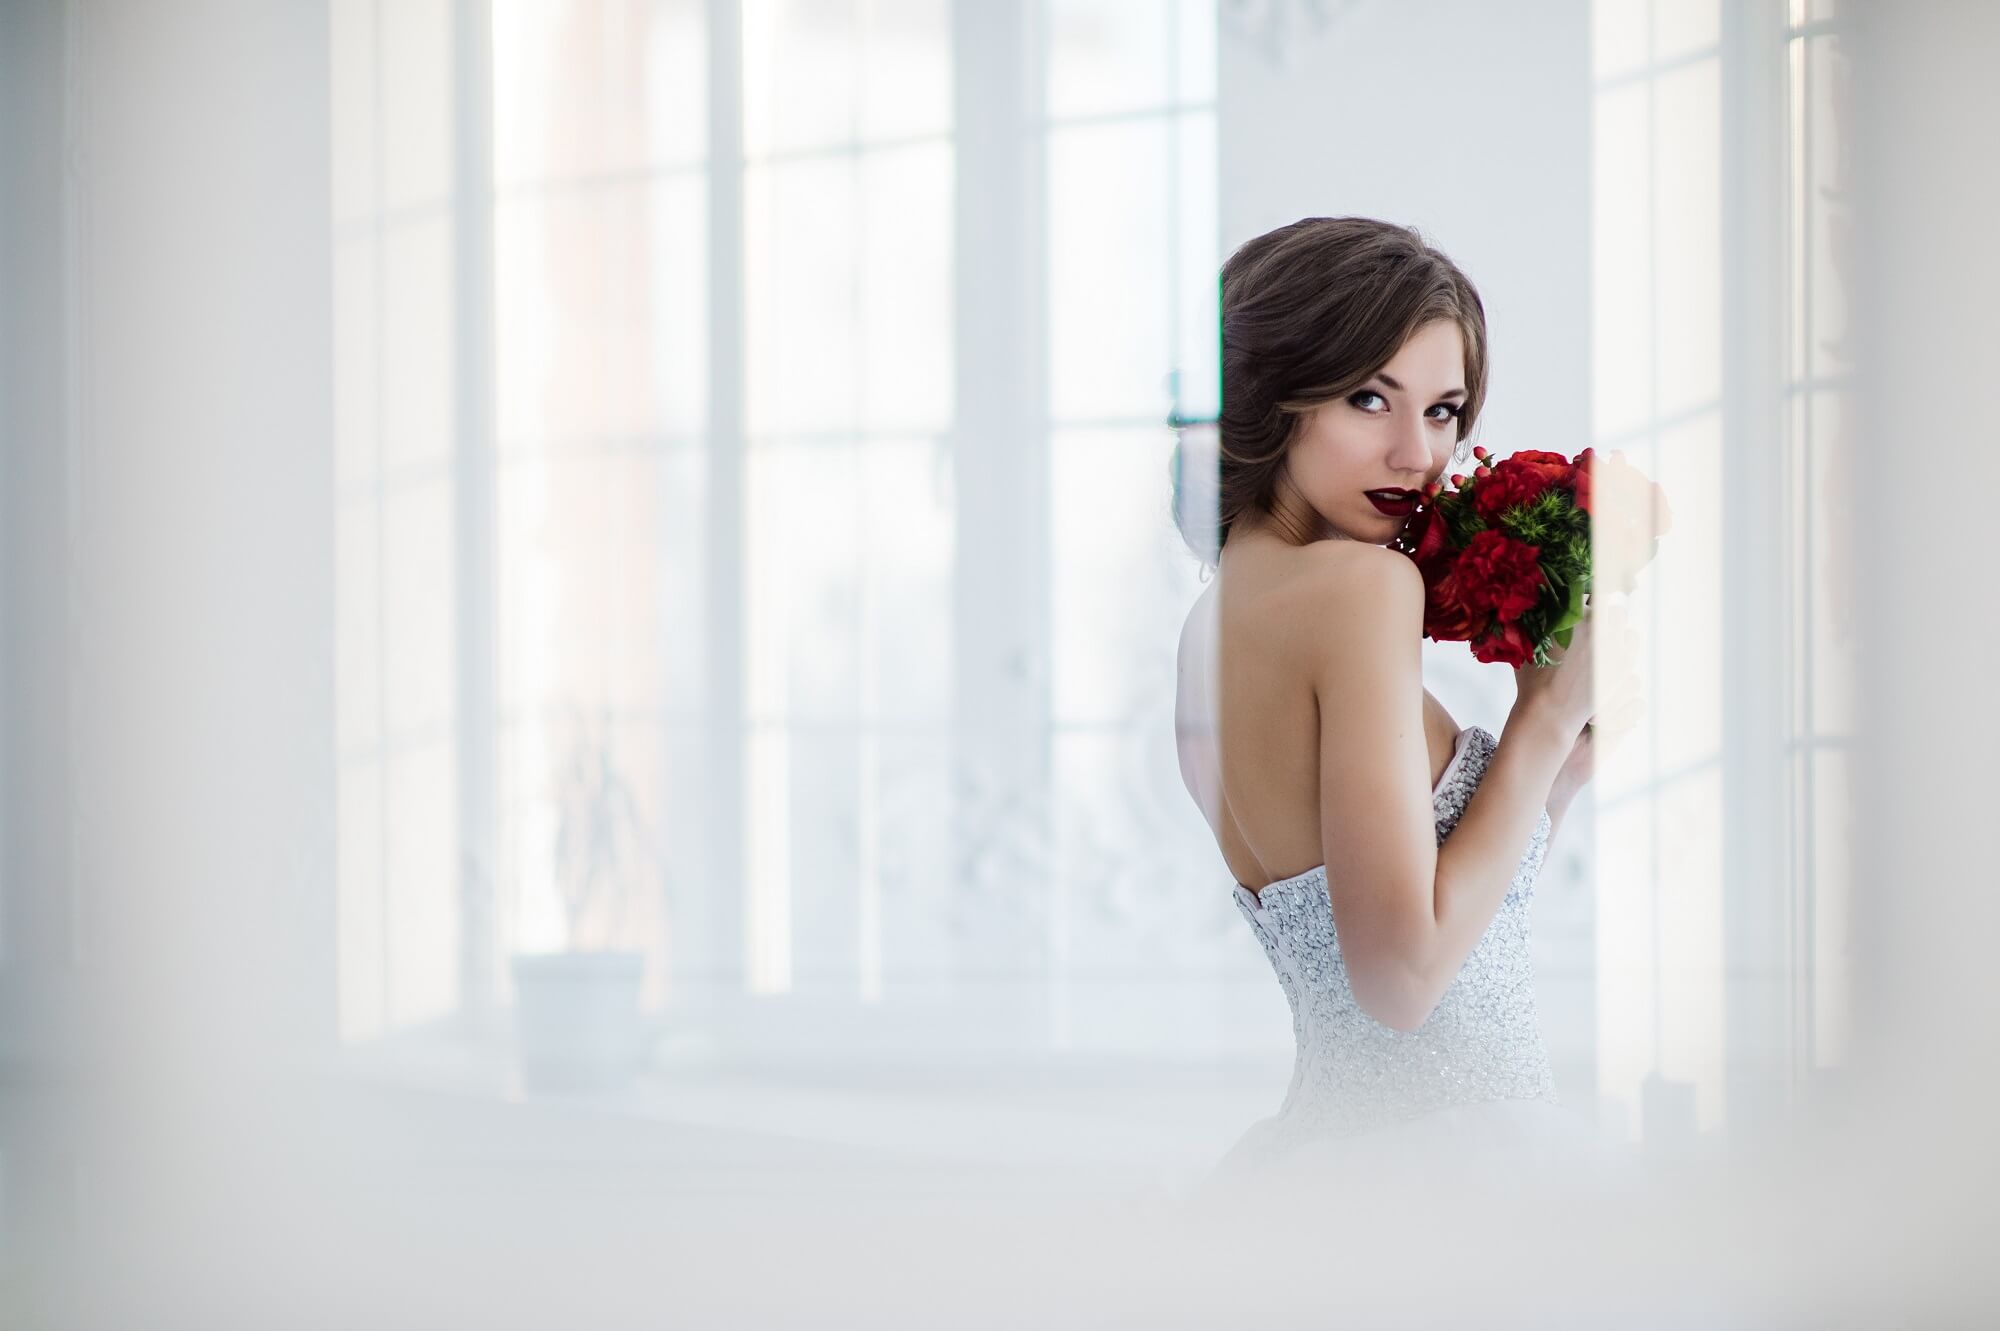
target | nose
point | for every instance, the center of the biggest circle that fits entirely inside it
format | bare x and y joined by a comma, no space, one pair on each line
1411,450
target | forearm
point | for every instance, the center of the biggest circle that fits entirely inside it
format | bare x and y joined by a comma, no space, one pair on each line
1477,862
1560,798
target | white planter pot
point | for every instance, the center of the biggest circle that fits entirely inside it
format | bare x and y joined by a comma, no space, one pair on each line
577,1023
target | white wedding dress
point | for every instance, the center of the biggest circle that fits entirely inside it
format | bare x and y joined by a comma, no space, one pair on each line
1467,1094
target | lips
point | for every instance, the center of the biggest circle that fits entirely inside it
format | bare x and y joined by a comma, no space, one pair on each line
1396,503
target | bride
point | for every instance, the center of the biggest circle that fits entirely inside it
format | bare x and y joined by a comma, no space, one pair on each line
1384,856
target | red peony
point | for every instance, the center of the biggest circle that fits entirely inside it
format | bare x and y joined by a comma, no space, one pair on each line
1447,618
1506,643
1519,478
1578,480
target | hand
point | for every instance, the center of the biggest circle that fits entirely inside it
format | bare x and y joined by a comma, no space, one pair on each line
1566,690
1602,735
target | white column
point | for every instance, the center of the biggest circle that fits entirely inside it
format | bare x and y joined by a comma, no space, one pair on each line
203,502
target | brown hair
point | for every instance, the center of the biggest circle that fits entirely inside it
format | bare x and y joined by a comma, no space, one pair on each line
1309,312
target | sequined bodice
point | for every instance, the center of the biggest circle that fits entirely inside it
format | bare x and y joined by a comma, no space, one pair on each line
1482,1042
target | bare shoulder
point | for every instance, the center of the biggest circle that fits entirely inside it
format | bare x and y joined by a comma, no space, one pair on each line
1353,593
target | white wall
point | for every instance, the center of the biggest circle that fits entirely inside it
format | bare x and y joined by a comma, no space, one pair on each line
1925,998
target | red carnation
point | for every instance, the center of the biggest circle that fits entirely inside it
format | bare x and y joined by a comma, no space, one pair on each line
1496,573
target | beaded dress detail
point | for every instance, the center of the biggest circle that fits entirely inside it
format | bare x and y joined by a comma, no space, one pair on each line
1351,1073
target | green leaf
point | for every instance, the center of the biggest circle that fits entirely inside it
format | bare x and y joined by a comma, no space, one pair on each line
1573,613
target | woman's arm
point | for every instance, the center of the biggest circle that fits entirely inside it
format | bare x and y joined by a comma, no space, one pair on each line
1560,799
1408,911
1478,861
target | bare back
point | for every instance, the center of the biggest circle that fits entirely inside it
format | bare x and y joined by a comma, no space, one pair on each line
1246,716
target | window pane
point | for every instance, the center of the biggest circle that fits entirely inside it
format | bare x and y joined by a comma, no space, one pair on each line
1134,887
801,286
905,69
767,858
363,981
1621,263
357,598
600,580
1123,579
905,288
1798,213
1685,691
1832,879
1108,55
1110,273
1689,911
352,73
1835,630
419,655
598,87
586,851
421,886
357,345
803,581
1829,215
417,354
799,74
1199,354
1626,992
1687,257
416,83
824,772
1197,54
601,307
915,885
907,529
1805,572
1619,39
1683,27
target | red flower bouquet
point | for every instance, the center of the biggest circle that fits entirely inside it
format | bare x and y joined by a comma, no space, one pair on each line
1506,556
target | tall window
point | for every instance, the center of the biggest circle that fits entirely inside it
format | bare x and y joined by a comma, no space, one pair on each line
1129,106
791,312
847,201
601,455
395,573
1695,332
1657,281
1819,388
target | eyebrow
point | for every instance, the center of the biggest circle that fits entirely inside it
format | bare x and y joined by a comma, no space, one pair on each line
1449,392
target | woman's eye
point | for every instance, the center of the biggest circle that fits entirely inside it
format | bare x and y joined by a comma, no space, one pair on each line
1451,412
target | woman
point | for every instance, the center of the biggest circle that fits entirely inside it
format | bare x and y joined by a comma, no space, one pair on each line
1384,856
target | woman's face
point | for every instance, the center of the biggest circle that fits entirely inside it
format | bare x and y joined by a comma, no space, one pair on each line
1396,432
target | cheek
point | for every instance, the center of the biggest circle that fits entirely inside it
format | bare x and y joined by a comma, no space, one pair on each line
1334,455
